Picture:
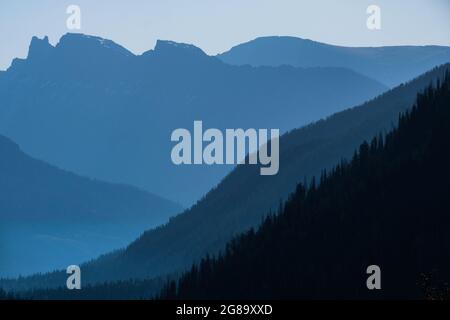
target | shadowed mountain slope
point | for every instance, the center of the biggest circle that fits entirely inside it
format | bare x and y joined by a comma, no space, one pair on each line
389,207
50,218
244,197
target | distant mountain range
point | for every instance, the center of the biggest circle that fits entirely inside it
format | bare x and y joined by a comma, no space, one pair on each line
389,65
90,106
243,198
50,218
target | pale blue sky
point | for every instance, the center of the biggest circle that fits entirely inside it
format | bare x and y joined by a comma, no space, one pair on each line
217,25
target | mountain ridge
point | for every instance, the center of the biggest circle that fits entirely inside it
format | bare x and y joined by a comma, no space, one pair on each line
50,218
243,197
115,108
391,65
386,208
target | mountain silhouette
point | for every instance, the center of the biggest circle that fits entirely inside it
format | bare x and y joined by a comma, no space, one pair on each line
387,207
243,198
391,65
90,106
50,218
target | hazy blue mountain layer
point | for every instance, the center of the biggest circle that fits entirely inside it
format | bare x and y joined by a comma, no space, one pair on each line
387,206
390,65
50,218
244,197
92,107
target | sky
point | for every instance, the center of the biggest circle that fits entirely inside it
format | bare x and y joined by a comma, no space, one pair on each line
217,25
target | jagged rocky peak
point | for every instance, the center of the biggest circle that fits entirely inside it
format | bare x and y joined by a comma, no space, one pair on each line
39,47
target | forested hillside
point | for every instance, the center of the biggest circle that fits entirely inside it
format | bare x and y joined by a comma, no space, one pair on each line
389,206
244,197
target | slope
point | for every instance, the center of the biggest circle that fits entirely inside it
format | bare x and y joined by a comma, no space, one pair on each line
243,198
50,217
389,206
114,112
